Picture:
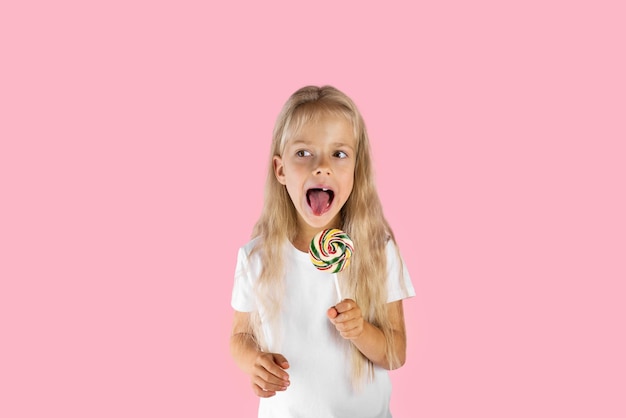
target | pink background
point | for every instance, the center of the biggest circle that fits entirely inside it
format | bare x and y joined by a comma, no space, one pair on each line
134,139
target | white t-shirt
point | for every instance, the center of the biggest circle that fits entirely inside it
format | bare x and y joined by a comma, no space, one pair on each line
318,356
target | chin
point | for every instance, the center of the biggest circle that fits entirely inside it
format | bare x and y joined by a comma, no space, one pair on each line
323,221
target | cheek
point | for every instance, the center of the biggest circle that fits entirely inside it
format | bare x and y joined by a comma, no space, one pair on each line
298,171
349,176
350,187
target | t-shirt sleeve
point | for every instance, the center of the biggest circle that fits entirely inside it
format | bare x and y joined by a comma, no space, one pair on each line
243,289
399,284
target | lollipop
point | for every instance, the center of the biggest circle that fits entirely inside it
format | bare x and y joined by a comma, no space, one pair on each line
330,251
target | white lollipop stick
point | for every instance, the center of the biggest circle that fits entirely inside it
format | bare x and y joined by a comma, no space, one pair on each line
337,286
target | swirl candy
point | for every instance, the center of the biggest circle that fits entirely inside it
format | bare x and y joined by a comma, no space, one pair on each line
330,250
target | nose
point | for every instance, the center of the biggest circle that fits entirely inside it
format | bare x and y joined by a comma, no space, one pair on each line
322,166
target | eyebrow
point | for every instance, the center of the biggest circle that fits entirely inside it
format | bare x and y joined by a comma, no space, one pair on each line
335,144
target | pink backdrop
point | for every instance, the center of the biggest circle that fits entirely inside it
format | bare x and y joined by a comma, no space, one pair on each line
134,137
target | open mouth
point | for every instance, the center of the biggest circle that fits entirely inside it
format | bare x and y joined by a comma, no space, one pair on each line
319,200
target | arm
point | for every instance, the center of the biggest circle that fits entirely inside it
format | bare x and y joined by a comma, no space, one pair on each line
266,370
370,340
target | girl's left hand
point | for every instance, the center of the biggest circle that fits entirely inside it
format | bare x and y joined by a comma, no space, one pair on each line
347,318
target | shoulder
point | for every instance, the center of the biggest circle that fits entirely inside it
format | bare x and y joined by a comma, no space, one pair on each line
391,249
395,265
248,256
251,246
247,272
255,251
398,278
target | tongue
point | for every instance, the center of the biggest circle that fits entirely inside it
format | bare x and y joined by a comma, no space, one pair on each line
318,200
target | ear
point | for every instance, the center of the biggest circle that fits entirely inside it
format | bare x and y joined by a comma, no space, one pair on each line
279,170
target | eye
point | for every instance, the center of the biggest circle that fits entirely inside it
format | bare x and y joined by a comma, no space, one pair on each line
303,153
341,154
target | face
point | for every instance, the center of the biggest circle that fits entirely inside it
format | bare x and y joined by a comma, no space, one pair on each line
317,167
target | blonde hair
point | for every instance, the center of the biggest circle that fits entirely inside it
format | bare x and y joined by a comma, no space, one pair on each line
362,217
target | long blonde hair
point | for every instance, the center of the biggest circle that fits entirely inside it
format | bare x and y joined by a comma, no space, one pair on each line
362,218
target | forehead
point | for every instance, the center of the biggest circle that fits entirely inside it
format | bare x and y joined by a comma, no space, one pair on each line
305,126
327,126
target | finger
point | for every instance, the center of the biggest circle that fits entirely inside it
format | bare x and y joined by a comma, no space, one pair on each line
340,319
271,385
265,376
349,335
345,305
350,330
258,391
281,361
332,313
354,324
351,315
345,316
346,326
271,368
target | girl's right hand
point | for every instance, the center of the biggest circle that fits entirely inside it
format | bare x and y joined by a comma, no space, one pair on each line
268,375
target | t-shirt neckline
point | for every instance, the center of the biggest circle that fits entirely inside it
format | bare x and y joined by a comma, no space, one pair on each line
300,255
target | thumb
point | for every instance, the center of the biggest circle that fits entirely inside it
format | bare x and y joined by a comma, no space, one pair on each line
281,361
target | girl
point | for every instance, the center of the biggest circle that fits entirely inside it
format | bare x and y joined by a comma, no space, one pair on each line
306,357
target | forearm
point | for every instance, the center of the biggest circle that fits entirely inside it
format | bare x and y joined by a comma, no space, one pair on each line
266,370
373,345
244,350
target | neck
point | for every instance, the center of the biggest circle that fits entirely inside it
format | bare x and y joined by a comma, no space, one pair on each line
306,232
